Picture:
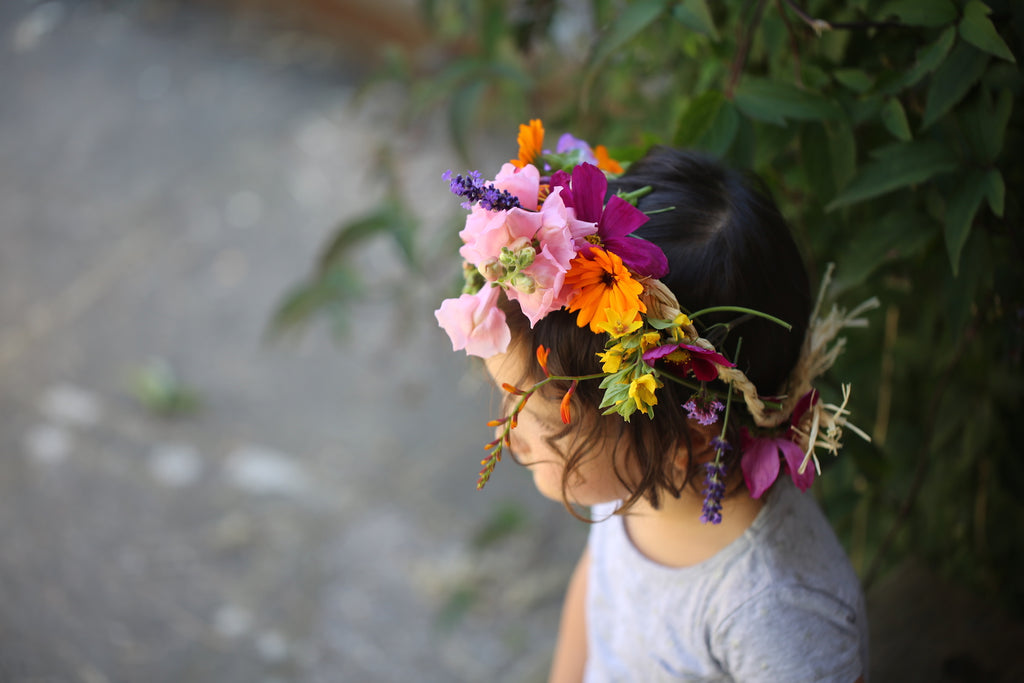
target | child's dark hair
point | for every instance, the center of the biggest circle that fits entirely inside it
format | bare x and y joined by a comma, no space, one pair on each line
727,245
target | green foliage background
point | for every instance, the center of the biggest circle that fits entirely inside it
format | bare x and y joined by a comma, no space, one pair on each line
889,133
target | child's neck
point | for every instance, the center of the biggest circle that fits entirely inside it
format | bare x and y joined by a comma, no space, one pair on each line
674,536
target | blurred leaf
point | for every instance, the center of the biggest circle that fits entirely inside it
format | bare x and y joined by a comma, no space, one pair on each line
774,102
898,235
921,12
504,521
695,14
995,191
930,57
952,80
631,22
384,218
462,112
984,123
960,213
697,118
895,119
977,29
159,389
457,606
856,80
896,167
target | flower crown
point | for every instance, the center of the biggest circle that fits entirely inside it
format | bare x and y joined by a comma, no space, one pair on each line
542,232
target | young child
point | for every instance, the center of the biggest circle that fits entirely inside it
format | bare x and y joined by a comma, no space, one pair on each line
703,564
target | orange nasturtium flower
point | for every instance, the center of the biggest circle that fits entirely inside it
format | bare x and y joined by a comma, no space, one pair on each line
604,283
531,143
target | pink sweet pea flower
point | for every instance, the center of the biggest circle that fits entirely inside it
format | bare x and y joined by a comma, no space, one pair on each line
523,183
475,323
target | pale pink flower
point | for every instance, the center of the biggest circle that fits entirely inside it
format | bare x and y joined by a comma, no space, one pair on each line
523,183
475,323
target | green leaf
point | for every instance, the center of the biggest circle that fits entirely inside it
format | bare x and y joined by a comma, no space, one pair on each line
984,123
719,137
895,167
695,14
898,235
630,23
776,101
921,12
462,112
960,214
856,80
978,30
382,219
995,191
698,118
842,150
895,119
929,58
961,70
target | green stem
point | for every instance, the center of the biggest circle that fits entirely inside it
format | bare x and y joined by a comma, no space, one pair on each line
741,309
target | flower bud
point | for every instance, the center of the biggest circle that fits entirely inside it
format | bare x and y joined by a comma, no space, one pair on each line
524,283
492,270
525,257
507,258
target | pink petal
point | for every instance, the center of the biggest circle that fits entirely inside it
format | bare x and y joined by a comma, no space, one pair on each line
475,323
794,457
523,182
760,464
620,218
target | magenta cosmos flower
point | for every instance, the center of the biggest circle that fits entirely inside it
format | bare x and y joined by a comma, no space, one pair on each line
761,461
698,359
585,191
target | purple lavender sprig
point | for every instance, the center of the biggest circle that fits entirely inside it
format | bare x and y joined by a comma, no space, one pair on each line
714,483
474,188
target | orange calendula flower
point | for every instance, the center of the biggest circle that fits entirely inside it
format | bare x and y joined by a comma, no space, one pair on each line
531,143
603,283
605,162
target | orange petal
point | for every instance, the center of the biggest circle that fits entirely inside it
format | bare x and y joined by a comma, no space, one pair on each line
566,416
542,358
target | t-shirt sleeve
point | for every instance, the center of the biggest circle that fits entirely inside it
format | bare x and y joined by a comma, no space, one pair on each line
794,634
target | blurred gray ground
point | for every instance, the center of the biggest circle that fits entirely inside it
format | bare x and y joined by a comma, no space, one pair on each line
166,173
165,176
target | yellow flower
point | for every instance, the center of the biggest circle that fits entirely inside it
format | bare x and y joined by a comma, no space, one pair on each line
611,360
650,340
620,324
641,390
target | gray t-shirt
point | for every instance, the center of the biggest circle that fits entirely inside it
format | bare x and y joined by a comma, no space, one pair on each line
780,603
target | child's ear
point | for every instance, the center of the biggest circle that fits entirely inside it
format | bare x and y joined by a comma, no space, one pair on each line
699,447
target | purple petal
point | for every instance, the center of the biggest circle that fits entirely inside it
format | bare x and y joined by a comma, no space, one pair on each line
760,465
801,407
561,179
707,354
588,189
659,352
703,370
640,256
620,218
794,458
